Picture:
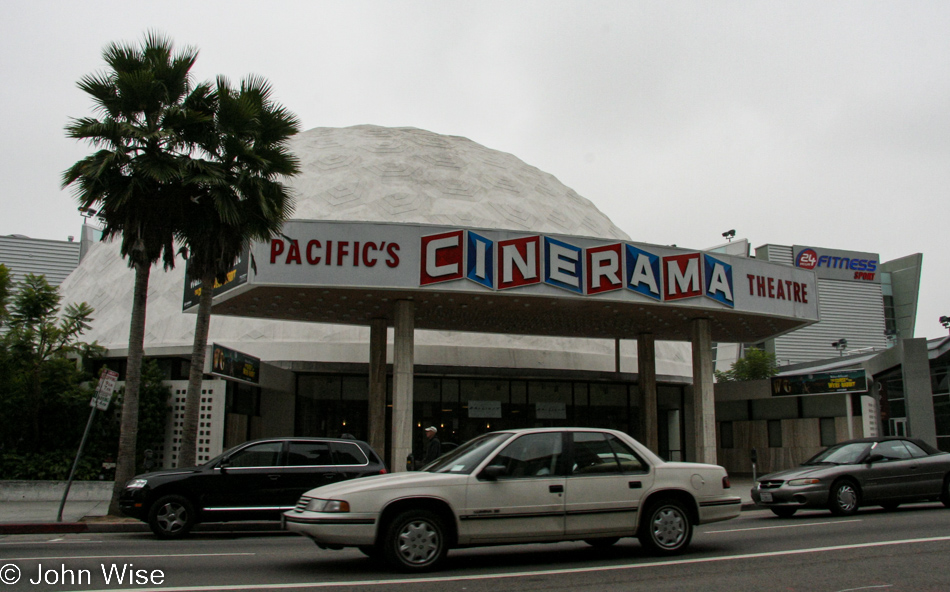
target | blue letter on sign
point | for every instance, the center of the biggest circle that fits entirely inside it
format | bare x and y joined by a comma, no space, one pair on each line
643,272
719,281
480,261
563,265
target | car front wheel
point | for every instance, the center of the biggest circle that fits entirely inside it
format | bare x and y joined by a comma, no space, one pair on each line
844,499
666,528
171,517
415,541
945,492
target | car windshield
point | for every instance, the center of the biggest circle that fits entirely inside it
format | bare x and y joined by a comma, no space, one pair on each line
840,454
466,457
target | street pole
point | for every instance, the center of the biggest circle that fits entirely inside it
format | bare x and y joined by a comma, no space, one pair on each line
100,400
72,472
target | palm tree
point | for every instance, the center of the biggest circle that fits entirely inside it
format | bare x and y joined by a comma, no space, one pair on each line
239,198
134,181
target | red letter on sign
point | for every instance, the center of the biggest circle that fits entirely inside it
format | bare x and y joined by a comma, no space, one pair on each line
683,277
441,258
519,262
276,248
604,269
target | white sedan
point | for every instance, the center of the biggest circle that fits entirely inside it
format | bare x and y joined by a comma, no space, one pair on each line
519,486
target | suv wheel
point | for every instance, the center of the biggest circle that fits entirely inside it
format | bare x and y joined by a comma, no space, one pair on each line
415,541
171,517
665,528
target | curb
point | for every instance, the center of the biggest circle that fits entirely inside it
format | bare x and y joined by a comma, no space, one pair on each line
43,528
129,527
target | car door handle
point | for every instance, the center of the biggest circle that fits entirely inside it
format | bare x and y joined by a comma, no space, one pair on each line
273,477
556,488
328,476
634,485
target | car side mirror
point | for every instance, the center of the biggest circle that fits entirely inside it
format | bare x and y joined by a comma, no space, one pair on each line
492,472
225,463
875,458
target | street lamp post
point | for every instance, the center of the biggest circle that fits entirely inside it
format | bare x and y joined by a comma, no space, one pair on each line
840,345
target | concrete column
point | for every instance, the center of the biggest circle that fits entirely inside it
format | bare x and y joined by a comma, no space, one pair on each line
377,386
646,369
915,370
704,411
404,342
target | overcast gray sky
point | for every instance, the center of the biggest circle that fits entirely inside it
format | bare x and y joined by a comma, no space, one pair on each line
815,123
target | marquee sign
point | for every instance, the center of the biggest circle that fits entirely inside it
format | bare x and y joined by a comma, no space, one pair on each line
236,277
502,262
820,383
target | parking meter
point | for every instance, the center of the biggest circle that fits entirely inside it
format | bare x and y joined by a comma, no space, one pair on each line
755,459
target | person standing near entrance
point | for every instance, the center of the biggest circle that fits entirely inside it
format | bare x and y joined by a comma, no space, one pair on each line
433,446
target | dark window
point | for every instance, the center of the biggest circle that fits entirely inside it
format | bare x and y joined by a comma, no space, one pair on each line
593,455
348,454
915,450
892,450
264,454
534,455
829,435
775,433
726,439
309,454
942,415
629,461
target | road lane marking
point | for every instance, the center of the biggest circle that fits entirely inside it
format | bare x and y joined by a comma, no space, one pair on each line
865,588
548,572
827,522
127,556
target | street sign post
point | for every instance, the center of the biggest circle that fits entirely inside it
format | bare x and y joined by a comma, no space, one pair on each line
100,400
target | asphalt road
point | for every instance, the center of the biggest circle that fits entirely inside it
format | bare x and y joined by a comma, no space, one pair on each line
905,550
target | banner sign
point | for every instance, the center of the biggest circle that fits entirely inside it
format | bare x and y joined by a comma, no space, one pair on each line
550,410
821,383
235,365
484,409
838,265
237,276
433,258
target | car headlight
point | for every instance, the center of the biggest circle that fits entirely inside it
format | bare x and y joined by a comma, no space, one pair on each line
325,505
136,484
804,481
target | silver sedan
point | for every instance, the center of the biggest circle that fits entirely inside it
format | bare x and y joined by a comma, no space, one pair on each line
885,471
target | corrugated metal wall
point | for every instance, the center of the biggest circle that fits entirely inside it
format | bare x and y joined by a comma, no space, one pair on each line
848,310
53,259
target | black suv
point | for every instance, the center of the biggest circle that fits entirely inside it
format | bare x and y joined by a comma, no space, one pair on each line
257,480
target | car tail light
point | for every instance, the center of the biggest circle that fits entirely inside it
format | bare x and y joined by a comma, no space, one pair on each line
725,482
382,471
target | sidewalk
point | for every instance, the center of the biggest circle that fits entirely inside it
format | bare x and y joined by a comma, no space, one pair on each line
25,510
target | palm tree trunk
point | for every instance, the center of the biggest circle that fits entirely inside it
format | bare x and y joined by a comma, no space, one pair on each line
189,439
129,427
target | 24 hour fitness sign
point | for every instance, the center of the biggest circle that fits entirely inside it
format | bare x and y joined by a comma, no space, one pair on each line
838,265
422,257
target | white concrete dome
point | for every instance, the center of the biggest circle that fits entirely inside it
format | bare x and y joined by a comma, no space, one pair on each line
381,174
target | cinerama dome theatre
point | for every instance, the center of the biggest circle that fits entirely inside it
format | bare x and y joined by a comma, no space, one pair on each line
313,378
